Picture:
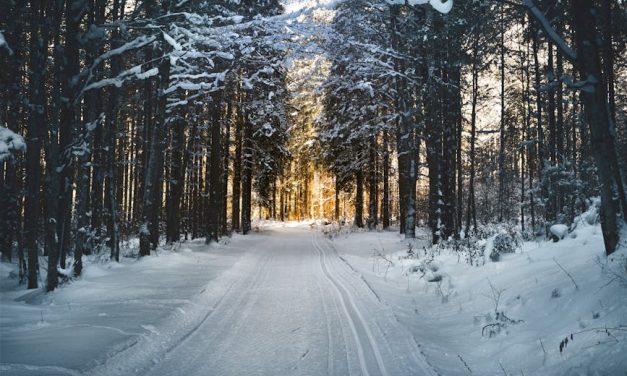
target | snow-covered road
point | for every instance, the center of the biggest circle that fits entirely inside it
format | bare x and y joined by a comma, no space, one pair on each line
291,306
288,301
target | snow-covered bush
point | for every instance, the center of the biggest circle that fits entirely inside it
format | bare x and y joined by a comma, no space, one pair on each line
501,244
470,248
492,240
591,216
505,242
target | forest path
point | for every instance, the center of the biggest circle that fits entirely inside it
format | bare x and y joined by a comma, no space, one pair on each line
291,306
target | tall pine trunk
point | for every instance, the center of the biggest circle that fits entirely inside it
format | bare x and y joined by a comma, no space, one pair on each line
359,198
372,185
594,98
247,176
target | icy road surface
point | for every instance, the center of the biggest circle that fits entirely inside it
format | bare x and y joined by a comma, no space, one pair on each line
290,306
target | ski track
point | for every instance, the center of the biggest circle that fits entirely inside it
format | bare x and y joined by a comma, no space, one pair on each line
383,319
26,369
355,319
290,306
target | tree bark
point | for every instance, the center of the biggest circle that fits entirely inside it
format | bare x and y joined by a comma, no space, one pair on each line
216,170
34,139
247,176
594,98
149,227
359,199
385,207
237,167
372,185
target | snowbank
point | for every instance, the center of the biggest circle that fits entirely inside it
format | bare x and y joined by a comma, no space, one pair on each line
547,309
111,307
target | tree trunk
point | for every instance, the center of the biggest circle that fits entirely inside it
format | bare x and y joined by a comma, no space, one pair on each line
34,138
216,170
594,98
501,192
53,158
149,227
385,207
359,199
337,199
471,210
225,167
539,130
110,194
247,177
237,169
372,185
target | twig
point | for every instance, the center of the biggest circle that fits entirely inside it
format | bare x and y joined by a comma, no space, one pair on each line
613,275
388,261
567,273
504,372
465,364
543,350
496,295
495,324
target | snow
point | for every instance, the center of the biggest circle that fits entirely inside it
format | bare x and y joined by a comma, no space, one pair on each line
172,42
439,5
110,308
447,315
288,299
10,143
298,6
147,74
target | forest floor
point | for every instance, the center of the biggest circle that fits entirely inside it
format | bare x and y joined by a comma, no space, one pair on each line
290,300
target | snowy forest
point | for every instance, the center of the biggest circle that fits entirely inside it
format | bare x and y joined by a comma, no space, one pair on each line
300,187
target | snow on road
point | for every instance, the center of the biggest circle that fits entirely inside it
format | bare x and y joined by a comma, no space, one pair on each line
288,305
290,301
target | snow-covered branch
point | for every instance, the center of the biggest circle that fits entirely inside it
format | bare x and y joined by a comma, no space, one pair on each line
10,143
4,44
441,6
548,29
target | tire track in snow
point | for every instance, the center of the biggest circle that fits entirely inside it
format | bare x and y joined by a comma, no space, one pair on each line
359,327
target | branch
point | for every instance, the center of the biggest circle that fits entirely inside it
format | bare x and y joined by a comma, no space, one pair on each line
567,273
463,361
134,44
5,45
568,52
